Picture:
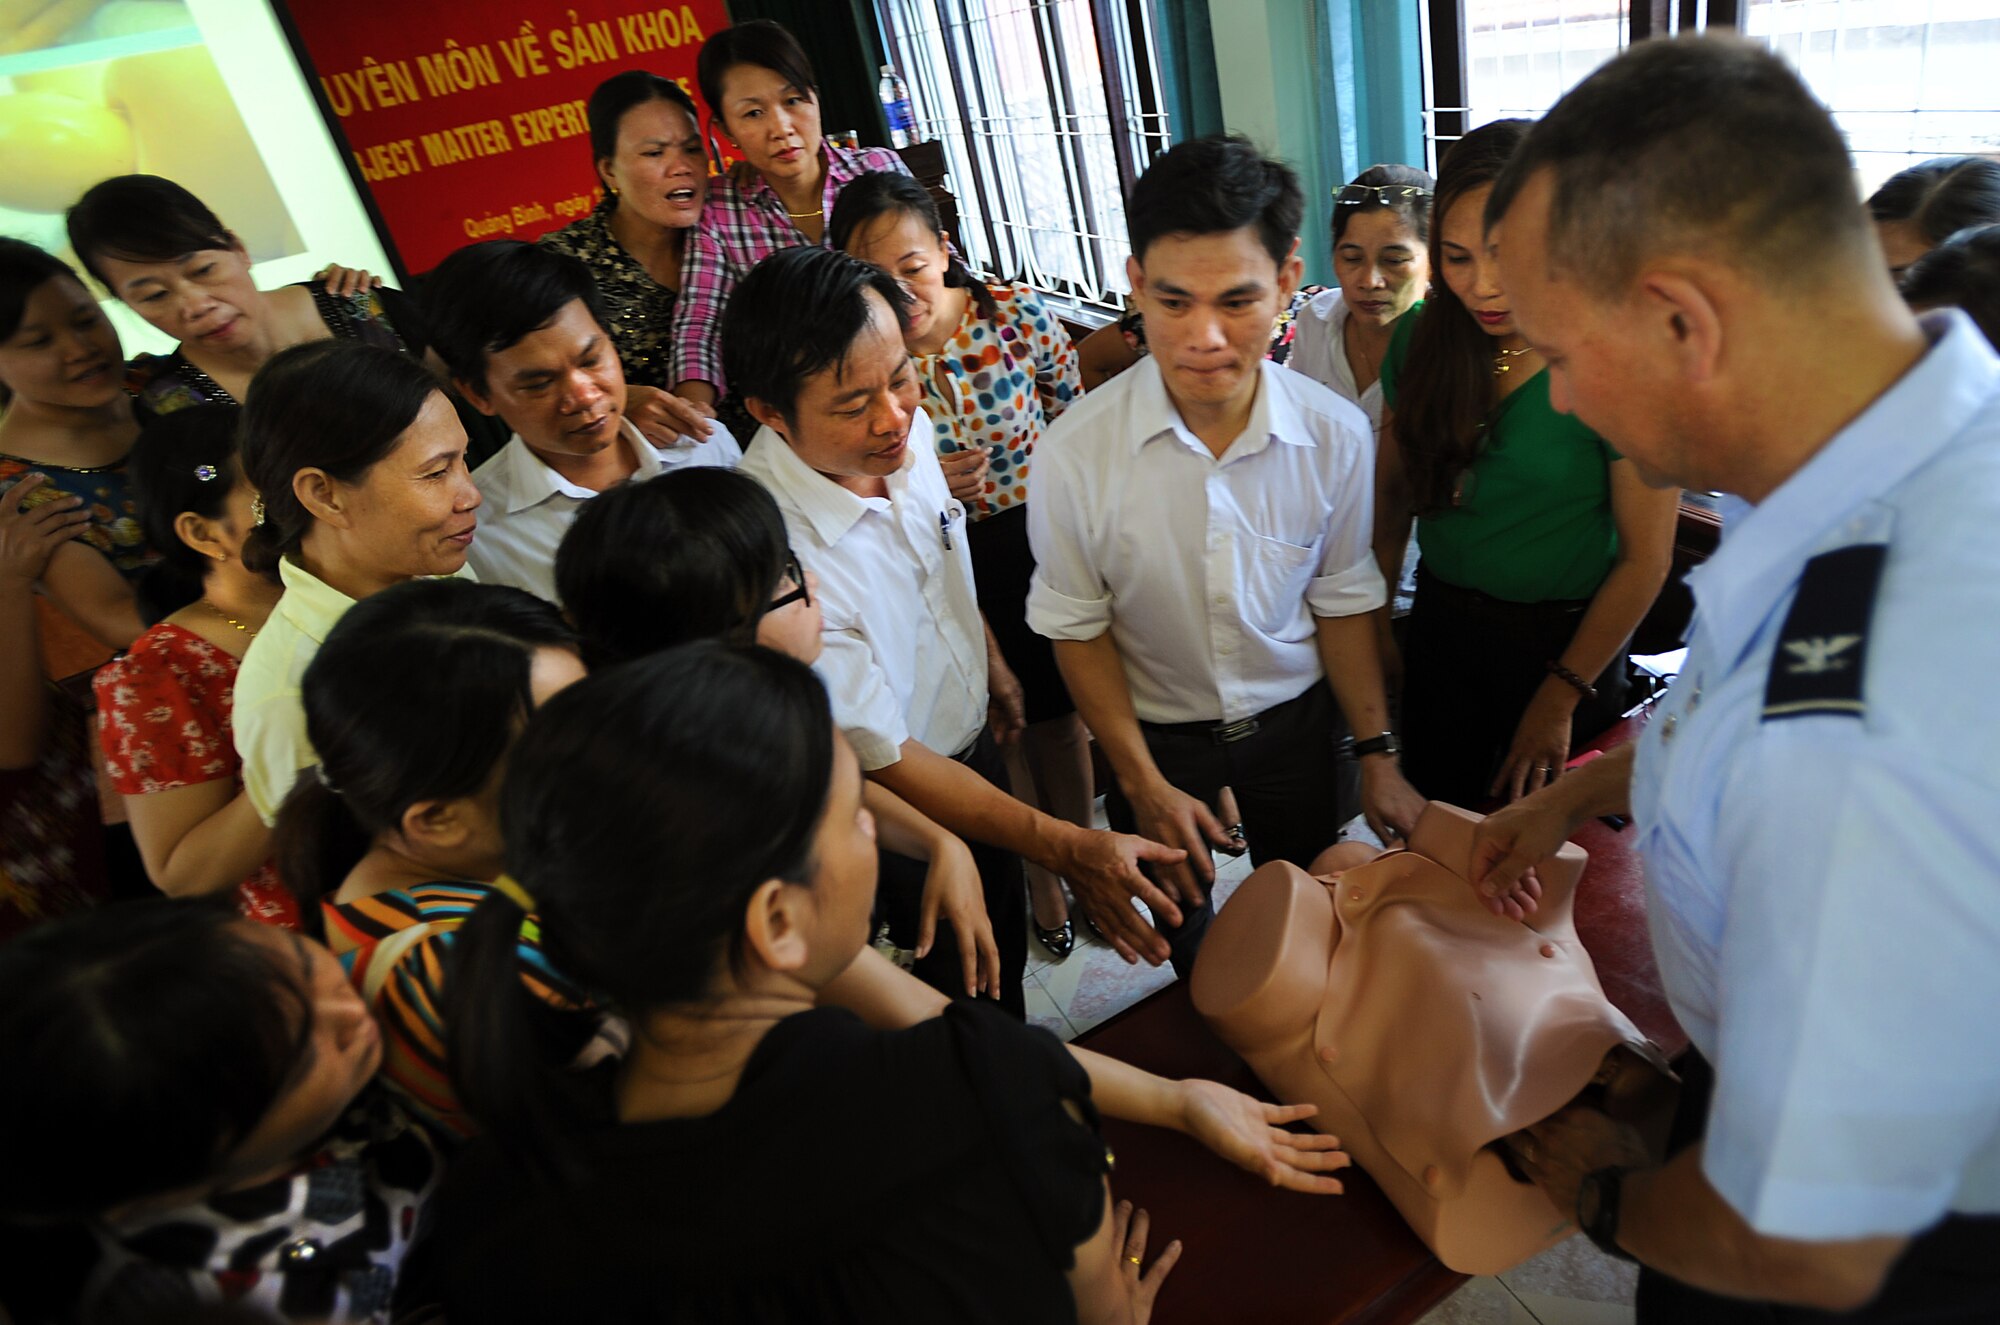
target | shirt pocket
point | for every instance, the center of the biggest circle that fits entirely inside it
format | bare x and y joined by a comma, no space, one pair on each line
1275,576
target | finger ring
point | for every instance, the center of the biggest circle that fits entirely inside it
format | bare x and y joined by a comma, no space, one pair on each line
1133,1259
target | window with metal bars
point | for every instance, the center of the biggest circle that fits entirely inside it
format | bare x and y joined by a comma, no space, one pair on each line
1047,111
1906,79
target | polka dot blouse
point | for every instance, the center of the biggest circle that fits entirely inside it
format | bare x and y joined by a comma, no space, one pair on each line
996,384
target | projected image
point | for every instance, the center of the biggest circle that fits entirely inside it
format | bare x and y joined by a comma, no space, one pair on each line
108,102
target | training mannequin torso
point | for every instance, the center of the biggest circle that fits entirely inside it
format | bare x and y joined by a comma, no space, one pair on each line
1427,1029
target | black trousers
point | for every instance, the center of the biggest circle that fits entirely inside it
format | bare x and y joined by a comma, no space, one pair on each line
1471,663
899,896
1949,1275
1293,786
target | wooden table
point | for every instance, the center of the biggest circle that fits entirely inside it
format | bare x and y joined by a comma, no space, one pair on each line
1254,1255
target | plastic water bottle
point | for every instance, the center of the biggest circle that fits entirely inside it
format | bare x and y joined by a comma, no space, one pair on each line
895,96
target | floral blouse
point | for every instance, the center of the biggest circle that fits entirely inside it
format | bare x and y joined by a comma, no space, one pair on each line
164,723
996,384
638,310
163,383
114,517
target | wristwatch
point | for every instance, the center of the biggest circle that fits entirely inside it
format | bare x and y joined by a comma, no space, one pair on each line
1597,1210
1385,744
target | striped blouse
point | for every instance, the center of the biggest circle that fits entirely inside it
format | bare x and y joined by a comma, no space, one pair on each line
402,974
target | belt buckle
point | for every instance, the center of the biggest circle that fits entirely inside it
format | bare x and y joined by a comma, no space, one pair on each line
1228,732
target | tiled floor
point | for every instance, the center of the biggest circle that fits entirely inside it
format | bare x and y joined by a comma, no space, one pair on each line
1573,1284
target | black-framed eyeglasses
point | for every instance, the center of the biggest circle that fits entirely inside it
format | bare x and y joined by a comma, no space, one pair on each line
1354,195
797,575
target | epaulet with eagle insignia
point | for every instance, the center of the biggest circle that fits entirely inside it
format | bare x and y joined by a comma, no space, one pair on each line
1822,651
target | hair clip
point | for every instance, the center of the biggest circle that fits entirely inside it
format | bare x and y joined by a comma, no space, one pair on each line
257,511
206,473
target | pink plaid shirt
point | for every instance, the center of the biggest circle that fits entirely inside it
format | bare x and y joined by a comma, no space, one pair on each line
739,228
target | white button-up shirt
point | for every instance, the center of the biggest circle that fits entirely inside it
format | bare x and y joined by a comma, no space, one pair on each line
1824,890
904,651
1319,350
529,507
1207,572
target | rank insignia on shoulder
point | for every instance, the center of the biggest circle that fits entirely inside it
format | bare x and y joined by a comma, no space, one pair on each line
1822,651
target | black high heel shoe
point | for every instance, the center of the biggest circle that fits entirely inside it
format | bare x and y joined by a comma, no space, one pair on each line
1060,940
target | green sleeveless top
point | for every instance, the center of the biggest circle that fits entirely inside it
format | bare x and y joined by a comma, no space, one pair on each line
1532,521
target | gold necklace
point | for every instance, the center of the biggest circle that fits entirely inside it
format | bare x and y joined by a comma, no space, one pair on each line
230,619
807,216
1504,363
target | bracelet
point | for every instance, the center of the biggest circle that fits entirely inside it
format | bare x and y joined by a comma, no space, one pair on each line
1582,687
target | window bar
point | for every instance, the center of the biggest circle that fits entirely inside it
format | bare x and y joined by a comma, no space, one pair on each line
1448,67
978,181
955,57
1077,180
1102,20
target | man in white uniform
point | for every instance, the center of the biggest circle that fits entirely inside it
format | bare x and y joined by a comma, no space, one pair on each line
1817,800
520,329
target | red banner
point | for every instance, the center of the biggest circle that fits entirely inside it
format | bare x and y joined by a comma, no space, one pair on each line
465,118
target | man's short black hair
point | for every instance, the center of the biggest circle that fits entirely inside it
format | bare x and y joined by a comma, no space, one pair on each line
1695,144
1963,272
486,297
797,314
1212,186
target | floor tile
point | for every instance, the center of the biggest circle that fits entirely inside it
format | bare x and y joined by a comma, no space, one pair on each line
1575,1268
1043,1012
1483,1301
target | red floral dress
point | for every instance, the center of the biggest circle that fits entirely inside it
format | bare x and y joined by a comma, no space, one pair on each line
164,710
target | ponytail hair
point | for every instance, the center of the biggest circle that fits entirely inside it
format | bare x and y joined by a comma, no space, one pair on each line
416,695
891,193
695,554
333,405
1446,392
643,808
184,461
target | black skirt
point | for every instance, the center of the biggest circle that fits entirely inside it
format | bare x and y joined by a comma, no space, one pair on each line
1471,663
1002,565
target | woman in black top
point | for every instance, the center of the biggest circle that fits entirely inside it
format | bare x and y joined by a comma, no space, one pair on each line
689,829
161,252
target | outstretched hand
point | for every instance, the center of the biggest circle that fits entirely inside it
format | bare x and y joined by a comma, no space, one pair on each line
1103,869
1252,1135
